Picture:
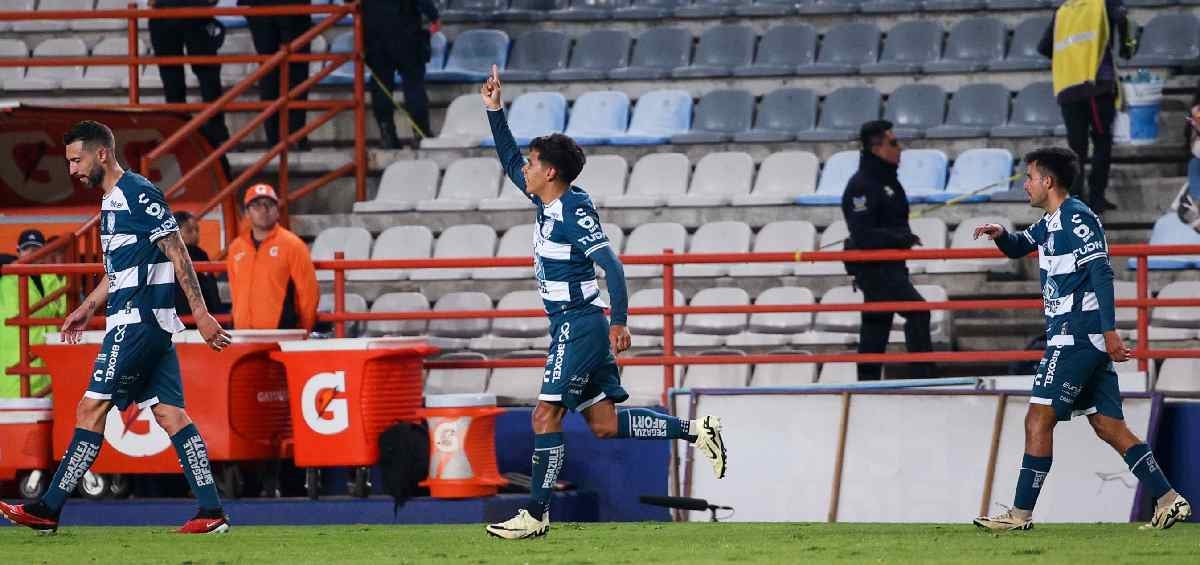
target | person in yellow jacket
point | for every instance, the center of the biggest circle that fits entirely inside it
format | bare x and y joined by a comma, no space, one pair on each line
10,336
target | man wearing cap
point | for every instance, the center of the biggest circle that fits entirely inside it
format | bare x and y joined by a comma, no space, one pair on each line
28,243
271,275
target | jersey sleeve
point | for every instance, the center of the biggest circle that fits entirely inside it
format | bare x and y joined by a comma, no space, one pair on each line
583,228
149,214
1022,243
1086,235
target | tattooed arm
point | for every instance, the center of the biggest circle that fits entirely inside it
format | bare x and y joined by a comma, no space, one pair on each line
185,276
77,321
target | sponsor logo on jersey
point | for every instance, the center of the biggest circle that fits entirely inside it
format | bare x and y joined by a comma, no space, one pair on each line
111,221
323,403
547,227
1089,248
1052,366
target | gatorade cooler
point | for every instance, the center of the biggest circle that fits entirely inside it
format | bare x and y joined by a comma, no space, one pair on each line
238,399
25,436
462,445
344,392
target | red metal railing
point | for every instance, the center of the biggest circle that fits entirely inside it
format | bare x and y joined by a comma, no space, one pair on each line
669,359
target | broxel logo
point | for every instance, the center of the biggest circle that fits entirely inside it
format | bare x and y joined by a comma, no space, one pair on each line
323,403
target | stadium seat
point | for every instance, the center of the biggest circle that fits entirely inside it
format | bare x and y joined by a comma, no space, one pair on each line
91,24
535,53
520,327
652,239
699,328
727,236
461,328
974,110
766,8
1035,113
12,48
530,10
535,114
786,236
598,116
403,184
719,177
844,49
774,375
842,322
595,54
710,8
922,172
833,238
234,22
975,169
908,46
838,373
964,238
588,10
105,76
717,376
354,242
516,242
344,74
782,50
938,325
842,114
460,240
648,328
1022,51
616,240
782,177
647,9
517,385
718,116
722,49
657,116
781,114
914,108
35,26
1179,375
472,55
891,6
471,10
603,177
998,5
657,52
50,78
354,303
655,177
952,5
1177,316
510,198
1168,230
973,44
1169,40
821,7
1126,317
834,176
782,322
466,125
933,233
398,302
644,383
466,182
457,381
152,80
396,242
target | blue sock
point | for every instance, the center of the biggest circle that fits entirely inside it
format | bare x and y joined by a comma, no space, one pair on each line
644,423
193,457
85,446
1029,481
1145,468
549,452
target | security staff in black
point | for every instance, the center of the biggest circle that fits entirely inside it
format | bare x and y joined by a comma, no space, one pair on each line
397,41
269,33
876,211
170,37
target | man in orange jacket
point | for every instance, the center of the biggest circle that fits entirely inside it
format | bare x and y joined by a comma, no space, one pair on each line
271,275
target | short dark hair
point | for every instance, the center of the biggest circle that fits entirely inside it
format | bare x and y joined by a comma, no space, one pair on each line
183,216
1058,163
872,133
91,134
562,153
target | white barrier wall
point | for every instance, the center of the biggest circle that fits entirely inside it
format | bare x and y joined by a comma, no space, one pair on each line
908,458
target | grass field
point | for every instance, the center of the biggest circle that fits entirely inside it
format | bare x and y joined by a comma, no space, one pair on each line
613,543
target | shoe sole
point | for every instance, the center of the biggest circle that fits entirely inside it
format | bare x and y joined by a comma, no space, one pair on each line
714,438
1021,528
536,534
37,530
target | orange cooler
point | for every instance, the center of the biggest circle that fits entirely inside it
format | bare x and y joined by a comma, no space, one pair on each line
25,430
462,445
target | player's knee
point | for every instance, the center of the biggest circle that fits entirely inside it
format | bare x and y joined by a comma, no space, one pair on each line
90,414
170,418
547,418
1040,420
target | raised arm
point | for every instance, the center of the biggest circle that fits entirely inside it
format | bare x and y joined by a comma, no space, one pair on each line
185,276
506,146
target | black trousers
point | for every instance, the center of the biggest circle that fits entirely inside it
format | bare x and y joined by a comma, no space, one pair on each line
387,62
269,33
890,284
1091,118
171,38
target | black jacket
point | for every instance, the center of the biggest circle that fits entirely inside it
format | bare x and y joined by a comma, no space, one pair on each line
398,26
876,211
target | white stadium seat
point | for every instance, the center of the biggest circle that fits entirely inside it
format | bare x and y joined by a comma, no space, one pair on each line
399,302
354,242
516,242
603,177
717,376
457,381
467,240
353,303
655,177
707,330
403,184
105,76
716,237
832,239
787,236
51,78
782,177
964,238
652,239
397,242
932,232
466,182
719,177
466,125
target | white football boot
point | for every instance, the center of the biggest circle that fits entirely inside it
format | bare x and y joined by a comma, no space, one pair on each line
521,526
710,443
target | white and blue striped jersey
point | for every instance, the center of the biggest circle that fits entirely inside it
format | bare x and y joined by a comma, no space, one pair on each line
141,280
566,233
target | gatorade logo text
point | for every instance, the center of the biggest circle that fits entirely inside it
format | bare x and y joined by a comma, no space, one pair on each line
323,403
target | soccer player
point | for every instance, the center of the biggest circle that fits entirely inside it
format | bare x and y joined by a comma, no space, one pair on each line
1076,375
581,373
144,258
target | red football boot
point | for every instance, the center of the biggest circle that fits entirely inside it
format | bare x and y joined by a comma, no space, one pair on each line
34,516
206,522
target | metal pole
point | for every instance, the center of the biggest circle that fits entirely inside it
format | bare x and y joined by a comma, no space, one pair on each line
668,328
23,302
285,96
339,295
134,52
836,493
1143,314
360,114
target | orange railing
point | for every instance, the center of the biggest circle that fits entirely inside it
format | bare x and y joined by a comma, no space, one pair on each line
669,359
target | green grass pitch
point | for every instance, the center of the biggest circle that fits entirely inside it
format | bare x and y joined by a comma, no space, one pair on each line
607,543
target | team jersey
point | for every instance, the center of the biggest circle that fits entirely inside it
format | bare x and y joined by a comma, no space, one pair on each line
141,280
1067,242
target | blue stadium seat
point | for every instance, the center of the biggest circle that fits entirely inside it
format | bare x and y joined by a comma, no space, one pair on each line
891,6
598,116
718,116
657,52
595,54
471,10
973,44
708,8
923,172
1035,113
1149,3
844,49
914,108
1168,230
648,9
781,115
815,7
344,74
843,112
1022,51
1169,40
767,8
781,51
588,10
535,114
722,49
999,5
975,169
657,116
472,55
974,110
530,10
234,22
834,176
953,5
535,54
908,47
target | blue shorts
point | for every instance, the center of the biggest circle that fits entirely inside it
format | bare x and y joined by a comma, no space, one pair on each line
137,363
1077,380
580,367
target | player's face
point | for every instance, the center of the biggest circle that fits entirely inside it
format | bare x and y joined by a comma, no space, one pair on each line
537,174
263,212
86,165
1036,186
